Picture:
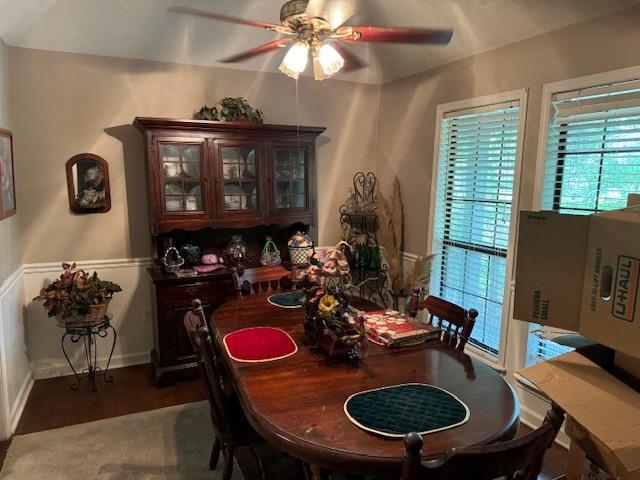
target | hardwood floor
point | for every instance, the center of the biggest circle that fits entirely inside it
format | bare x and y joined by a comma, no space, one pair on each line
52,404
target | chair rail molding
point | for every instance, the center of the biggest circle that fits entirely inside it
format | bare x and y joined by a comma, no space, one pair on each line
56,267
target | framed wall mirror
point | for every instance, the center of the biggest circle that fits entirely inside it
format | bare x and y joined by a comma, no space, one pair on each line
88,184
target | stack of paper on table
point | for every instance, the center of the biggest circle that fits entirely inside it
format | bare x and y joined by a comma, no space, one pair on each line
392,329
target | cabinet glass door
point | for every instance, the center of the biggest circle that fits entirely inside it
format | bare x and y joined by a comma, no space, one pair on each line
239,178
290,171
182,177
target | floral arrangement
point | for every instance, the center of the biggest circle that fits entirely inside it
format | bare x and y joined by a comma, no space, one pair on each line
76,292
90,197
91,193
330,323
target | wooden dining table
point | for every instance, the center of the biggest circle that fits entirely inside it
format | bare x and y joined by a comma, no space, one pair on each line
297,403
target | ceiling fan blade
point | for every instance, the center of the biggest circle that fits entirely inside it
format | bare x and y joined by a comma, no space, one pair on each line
352,62
398,34
224,18
259,50
336,12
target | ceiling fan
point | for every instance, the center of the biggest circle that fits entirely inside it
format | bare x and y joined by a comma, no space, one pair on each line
308,30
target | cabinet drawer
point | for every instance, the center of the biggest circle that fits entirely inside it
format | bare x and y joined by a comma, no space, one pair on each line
210,293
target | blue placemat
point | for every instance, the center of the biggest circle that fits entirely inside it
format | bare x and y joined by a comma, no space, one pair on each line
293,299
411,407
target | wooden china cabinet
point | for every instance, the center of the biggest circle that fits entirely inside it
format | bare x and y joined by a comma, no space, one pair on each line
209,180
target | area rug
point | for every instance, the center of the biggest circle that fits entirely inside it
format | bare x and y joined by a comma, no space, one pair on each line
170,443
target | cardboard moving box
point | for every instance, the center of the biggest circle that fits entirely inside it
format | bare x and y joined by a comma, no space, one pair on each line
603,413
582,273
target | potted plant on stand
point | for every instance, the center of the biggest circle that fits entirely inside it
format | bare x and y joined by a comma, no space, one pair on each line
77,297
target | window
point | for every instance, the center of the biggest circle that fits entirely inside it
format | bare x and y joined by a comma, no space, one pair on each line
474,190
592,159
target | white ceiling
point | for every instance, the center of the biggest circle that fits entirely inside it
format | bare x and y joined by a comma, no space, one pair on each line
144,29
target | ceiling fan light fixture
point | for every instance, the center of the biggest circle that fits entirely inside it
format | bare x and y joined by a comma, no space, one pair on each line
295,61
330,60
307,25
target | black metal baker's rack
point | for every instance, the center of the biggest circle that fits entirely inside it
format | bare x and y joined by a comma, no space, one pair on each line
359,221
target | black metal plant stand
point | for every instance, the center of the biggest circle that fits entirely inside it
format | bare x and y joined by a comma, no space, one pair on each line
87,332
360,219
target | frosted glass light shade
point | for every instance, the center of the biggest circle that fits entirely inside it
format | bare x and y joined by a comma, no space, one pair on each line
295,60
330,60
318,73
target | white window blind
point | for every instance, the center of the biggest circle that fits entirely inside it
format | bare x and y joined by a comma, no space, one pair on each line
592,159
539,349
476,169
593,149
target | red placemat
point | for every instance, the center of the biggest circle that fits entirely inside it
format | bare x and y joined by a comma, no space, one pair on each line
259,344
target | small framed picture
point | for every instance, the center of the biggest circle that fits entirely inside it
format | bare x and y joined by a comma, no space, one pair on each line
7,179
88,184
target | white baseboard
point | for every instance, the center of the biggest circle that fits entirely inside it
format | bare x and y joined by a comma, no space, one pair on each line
60,368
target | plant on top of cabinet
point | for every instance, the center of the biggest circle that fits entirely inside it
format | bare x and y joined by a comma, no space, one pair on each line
230,109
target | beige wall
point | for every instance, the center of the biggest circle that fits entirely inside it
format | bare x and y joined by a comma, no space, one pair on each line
10,256
408,106
65,104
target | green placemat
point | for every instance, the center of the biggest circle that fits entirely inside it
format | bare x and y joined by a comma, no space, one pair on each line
411,407
293,299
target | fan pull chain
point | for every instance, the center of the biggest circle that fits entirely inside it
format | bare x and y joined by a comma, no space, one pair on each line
298,116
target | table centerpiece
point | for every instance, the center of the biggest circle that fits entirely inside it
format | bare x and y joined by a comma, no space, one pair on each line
331,324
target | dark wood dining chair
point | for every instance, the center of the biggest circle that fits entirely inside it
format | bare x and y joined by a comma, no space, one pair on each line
230,425
268,279
455,322
517,459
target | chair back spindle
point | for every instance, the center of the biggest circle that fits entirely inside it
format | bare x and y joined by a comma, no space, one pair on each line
455,322
268,279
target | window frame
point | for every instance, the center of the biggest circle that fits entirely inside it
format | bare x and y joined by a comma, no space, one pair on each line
521,97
